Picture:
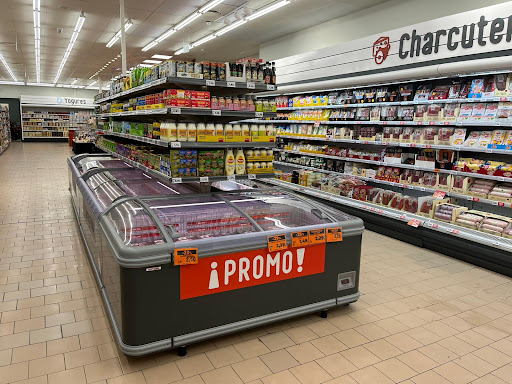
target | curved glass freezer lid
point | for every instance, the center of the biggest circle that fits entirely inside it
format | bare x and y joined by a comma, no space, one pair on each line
93,162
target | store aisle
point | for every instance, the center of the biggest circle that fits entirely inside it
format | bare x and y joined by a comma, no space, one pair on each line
422,317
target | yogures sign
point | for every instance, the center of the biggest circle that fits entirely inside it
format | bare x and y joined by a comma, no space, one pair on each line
58,101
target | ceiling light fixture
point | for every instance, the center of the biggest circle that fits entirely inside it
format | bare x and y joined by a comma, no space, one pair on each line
152,61
8,68
94,82
209,6
145,65
74,36
11,82
178,52
266,10
187,21
37,37
149,46
202,41
74,82
230,27
117,36
165,35
162,57
41,84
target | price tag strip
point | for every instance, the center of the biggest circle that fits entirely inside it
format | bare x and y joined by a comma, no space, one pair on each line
276,243
334,235
316,236
300,239
185,256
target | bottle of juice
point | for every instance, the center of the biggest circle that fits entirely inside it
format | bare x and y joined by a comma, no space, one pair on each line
191,132
172,132
228,131
182,132
230,163
240,162
201,129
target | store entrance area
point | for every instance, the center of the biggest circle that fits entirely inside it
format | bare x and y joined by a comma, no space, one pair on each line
422,317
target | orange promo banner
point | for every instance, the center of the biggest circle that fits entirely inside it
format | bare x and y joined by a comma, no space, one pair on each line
246,269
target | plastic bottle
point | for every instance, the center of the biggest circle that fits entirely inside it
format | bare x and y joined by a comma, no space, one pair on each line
172,132
182,132
254,130
262,130
237,130
210,129
240,162
228,130
246,131
267,73
219,130
201,129
274,78
191,132
164,131
230,163
270,130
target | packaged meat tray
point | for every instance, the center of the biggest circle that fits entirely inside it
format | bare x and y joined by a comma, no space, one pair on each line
470,219
447,212
494,225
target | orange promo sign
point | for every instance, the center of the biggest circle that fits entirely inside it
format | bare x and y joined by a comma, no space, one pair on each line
246,269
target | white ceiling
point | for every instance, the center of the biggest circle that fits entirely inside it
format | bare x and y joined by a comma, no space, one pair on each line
151,18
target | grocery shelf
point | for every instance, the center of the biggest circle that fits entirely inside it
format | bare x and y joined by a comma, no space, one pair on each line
180,180
43,130
405,145
501,243
188,81
190,144
188,112
390,122
398,103
409,166
398,185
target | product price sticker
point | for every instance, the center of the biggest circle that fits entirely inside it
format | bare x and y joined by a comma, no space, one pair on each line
414,223
210,83
216,112
334,235
176,180
316,236
203,179
276,243
231,84
185,256
300,239
439,194
175,111
252,176
231,177
251,85
259,114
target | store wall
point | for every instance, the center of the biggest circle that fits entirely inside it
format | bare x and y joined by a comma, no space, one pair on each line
14,110
15,91
384,17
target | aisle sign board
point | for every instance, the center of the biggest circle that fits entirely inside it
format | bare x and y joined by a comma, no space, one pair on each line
249,268
58,101
472,35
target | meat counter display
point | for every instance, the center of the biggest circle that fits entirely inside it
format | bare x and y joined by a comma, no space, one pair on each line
176,266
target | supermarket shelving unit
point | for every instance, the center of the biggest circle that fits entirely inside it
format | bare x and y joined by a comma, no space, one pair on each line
5,128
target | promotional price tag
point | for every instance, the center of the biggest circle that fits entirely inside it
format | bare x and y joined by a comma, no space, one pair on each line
203,179
175,144
185,256
300,239
334,235
216,112
414,223
276,243
252,176
316,236
231,84
271,87
210,83
176,180
259,114
251,85
231,177
175,111
439,194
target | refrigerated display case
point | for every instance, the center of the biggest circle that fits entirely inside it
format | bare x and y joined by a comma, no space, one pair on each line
176,266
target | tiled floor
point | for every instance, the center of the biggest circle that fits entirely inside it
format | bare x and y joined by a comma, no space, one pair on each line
422,317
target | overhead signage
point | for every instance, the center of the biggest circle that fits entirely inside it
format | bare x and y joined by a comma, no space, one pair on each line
246,269
57,101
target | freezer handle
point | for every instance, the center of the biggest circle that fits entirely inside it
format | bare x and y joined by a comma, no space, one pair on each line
174,233
319,213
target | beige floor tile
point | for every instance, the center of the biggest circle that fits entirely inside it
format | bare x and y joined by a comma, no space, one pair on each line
103,370
162,373
346,379
72,376
336,365
252,369
283,377
343,322
276,341
323,328
64,345
44,310
363,316
475,364
29,352
109,351
28,325
371,331
504,346
417,361
403,342
429,378
191,380
45,334
11,316
423,335
252,348
328,345
35,380
81,357
351,338
475,339
279,360
76,328
300,334
194,365
489,379
504,373
391,326
131,378
370,375
455,374
46,365
493,356
395,370
131,364
59,319
13,372
225,375
95,338
383,349
13,341
5,357
304,353
224,356
438,353
457,346
360,357
310,373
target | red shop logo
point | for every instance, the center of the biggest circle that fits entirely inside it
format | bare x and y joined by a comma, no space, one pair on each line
381,49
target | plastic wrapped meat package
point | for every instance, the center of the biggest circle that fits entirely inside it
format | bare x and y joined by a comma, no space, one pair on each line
434,112
481,188
363,113
429,135
387,133
422,93
494,225
444,182
466,111
473,139
501,192
484,140
444,212
504,112
406,135
395,201
405,113
458,137
420,112
444,135
470,219
451,111
388,113
478,112
430,180
408,204
490,113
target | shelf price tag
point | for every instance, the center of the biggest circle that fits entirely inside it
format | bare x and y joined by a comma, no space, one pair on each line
210,83
185,256
231,177
271,87
300,239
175,144
175,111
231,84
252,176
414,223
316,236
251,85
259,114
276,243
216,112
203,179
334,235
176,180
454,231
439,194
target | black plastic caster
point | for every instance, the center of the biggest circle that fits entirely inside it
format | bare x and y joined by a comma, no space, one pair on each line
323,314
182,351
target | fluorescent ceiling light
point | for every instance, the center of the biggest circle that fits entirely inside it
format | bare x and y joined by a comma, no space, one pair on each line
12,83
230,27
162,57
41,84
187,21
94,82
145,65
266,10
37,37
178,52
117,36
209,6
74,82
165,35
202,41
149,46
7,67
78,27
152,61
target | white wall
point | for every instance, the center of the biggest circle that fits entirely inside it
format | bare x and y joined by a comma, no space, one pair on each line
15,91
380,18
